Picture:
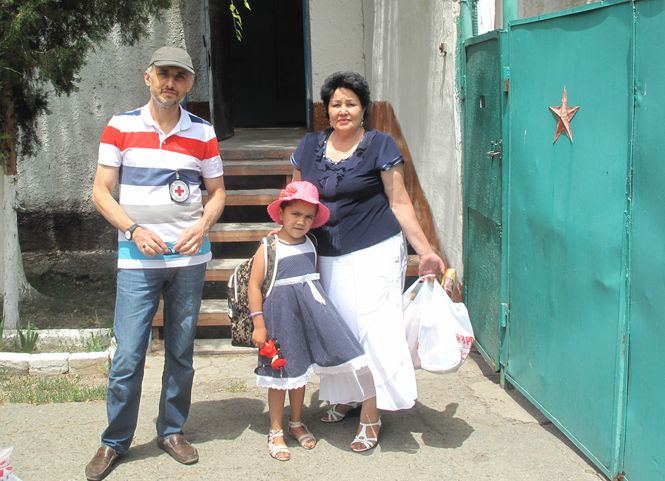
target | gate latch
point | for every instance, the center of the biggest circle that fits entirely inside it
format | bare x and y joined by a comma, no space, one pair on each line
497,149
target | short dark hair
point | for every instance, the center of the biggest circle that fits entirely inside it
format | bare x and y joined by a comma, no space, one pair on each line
348,80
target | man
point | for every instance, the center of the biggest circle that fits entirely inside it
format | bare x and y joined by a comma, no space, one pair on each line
159,153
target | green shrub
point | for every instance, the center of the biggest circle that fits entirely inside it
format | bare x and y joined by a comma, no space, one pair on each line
28,339
98,343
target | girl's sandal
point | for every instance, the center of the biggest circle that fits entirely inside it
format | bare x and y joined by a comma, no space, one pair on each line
361,438
332,415
307,439
277,451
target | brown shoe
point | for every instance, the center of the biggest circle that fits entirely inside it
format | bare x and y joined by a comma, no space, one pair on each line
179,448
101,464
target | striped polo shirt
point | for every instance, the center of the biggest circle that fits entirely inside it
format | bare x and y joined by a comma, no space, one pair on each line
149,160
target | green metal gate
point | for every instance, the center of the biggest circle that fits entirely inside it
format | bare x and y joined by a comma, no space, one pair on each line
565,338
582,241
482,187
645,411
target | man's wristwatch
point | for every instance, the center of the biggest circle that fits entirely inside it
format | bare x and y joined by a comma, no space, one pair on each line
129,232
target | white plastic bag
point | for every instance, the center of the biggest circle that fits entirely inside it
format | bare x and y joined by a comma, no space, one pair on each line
6,472
438,330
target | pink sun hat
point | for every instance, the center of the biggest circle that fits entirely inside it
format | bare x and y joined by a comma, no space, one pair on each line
300,190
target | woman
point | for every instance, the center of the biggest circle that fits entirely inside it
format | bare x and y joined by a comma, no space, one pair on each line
362,253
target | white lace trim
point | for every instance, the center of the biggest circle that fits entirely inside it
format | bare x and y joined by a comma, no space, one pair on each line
285,382
296,382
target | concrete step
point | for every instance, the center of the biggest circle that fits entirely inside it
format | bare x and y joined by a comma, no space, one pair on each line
251,196
240,231
221,269
214,312
254,167
261,143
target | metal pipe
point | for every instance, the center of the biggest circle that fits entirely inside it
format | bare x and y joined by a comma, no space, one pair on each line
474,17
510,9
465,21
464,31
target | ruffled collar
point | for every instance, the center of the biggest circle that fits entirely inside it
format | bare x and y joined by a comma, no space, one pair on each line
338,170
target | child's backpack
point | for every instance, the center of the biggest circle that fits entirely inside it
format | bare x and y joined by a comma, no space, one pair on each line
241,325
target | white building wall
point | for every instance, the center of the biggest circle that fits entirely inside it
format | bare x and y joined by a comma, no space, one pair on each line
413,68
532,8
337,39
59,177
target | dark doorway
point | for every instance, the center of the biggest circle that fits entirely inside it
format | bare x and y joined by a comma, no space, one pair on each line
259,81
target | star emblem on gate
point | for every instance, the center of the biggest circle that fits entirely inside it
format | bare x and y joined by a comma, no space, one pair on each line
564,114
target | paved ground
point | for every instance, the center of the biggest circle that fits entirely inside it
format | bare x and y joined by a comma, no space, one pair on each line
464,427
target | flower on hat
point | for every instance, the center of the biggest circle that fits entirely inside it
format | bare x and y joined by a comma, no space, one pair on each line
300,190
288,191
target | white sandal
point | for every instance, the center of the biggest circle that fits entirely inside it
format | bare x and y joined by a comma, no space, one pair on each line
332,415
361,437
304,437
275,449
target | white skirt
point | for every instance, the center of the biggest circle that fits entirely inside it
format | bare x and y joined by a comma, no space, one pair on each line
366,288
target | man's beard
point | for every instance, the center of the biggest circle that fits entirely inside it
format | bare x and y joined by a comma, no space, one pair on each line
163,103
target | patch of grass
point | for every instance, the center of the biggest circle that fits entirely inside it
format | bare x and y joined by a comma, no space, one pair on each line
235,385
23,388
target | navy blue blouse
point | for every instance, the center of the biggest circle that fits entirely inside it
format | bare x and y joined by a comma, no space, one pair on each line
360,215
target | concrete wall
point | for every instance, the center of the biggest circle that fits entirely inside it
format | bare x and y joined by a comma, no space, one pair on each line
528,8
58,178
413,68
337,39
531,8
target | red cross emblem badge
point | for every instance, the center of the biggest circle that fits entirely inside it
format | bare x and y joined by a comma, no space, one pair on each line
179,189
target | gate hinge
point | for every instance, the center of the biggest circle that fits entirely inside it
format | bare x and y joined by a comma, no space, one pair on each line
504,313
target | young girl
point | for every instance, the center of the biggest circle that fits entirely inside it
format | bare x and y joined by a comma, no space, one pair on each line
297,315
